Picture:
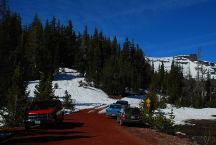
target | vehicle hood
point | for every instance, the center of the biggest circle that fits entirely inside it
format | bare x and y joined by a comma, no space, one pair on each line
113,110
41,111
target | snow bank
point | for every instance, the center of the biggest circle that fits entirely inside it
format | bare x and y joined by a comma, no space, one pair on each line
1,121
134,101
2,112
185,113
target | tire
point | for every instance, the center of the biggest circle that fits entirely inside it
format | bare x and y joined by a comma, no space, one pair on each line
118,119
27,126
121,122
61,120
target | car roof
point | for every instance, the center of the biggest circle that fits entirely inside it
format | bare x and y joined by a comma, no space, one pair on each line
46,100
131,108
116,104
122,102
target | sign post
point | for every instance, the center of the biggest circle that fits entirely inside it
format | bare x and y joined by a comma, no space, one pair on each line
148,105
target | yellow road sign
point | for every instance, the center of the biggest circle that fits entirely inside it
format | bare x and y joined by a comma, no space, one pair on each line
148,101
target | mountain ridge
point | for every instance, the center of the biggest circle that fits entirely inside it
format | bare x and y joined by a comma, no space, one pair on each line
191,65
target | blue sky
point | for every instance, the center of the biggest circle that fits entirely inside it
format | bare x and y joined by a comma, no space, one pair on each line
160,27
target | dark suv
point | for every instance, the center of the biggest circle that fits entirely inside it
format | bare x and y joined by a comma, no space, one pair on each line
44,112
123,103
130,115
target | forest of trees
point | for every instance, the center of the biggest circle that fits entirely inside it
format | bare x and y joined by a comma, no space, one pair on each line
36,51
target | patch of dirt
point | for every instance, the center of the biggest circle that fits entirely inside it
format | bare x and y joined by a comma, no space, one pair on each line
152,137
203,131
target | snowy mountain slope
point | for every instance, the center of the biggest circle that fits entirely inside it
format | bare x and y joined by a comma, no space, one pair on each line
188,63
85,96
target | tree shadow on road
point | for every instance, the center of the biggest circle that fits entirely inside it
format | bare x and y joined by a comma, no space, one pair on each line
138,125
43,139
63,125
48,133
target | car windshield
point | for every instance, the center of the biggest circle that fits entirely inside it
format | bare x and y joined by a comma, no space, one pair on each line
135,111
43,105
115,106
122,102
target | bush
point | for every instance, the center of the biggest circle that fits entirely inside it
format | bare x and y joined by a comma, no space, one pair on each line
162,123
162,102
56,86
157,119
68,103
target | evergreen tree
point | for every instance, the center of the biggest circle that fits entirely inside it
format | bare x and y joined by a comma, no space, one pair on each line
188,94
44,89
208,88
33,48
68,47
10,34
67,102
81,55
17,99
111,79
162,78
175,84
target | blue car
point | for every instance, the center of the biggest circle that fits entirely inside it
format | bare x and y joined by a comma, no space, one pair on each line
113,110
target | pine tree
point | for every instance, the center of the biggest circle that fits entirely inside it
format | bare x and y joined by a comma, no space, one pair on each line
68,48
81,55
162,79
44,89
208,88
67,102
111,79
33,48
175,84
17,99
10,34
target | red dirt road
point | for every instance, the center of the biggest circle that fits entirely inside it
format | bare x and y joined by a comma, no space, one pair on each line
80,128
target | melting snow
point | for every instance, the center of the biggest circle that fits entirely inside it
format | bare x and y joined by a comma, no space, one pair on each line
87,97
185,113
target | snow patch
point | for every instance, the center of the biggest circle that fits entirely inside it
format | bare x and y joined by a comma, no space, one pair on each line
184,114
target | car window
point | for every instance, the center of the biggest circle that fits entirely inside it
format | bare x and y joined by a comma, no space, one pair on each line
115,106
135,111
122,102
43,105
132,111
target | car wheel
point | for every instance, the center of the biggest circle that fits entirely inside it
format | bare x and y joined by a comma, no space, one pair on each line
118,119
121,122
61,119
27,126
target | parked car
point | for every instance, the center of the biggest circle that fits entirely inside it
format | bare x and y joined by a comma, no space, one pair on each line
44,112
130,115
123,103
113,110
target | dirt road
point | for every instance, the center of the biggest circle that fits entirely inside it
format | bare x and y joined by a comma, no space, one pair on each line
82,128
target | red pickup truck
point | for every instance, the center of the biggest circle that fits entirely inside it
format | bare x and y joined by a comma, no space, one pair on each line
44,112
